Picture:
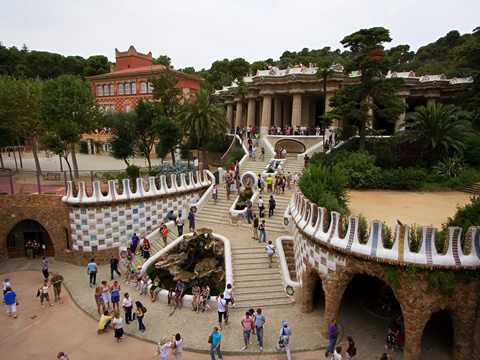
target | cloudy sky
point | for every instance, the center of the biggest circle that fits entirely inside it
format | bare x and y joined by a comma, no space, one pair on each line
198,32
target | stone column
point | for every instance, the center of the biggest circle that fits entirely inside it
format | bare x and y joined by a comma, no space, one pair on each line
305,120
334,287
251,111
266,112
277,111
415,321
230,115
309,281
287,112
297,107
239,114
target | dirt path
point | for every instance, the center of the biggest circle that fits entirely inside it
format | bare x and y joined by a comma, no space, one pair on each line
422,208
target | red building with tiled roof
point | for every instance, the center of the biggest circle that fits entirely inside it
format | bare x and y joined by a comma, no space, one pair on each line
127,82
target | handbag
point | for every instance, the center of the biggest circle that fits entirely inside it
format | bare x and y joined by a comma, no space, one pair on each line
174,348
210,338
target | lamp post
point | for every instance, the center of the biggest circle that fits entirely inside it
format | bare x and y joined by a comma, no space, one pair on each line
187,134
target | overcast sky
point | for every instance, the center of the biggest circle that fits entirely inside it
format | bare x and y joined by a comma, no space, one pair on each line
198,32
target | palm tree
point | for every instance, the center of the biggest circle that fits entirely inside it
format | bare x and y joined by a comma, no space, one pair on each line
439,126
202,116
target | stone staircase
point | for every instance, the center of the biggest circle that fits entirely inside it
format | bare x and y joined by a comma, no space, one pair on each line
472,188
156,245
257,285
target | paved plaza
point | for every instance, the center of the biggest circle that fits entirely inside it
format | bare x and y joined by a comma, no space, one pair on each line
70,325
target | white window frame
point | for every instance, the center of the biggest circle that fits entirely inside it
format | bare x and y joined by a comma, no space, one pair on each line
105,90
143,87
100,90
127,89
134,88
112,107
120,89
127,108
112,90
150,87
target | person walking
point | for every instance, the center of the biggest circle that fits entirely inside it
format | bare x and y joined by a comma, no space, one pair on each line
337,353
114,267
117,324
229,295
92,271
127,308
332,336
6,284
263,234
179,221
392,335
140,315
270,252
99,300
43,290
214,194
254,153
222,310
255,227
29,247
164,231
178,346
261,207
249,212
215,345
350,349
163,346
56,281
44,266
11,302
191,219
259,320
271,205
115,295
247,324
284,340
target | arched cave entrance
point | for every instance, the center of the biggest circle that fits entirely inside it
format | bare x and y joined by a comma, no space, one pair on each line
437,339
368,306
318,296
28,230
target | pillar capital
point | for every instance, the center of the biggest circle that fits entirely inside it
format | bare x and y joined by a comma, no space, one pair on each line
267,93
297,91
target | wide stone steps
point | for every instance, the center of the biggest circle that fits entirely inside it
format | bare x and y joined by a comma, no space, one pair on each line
472,188
156,245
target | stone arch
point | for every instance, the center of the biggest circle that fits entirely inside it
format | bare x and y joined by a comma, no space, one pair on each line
439,329
291,145
311,280
24,230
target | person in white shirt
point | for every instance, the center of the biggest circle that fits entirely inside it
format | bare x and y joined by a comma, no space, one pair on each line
270,251
118,326
179,222
222,310
261,207
163,346
127,307
337,354
6,283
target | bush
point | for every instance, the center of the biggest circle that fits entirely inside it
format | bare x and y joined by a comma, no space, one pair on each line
466,216
218,143
236,155
363,225
360,169
415,237
387,236
326,187
449,167
472,153
466,177
400,179
83,147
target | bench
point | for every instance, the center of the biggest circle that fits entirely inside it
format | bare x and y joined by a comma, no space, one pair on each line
51,176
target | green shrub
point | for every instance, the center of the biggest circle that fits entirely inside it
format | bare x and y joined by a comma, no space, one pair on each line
443,280
472,153
400,179
391,277
412,270
363,226
387,236
440,237
360,168
415,237
449,167
466,216
326,187
466,177
217,143
236,155
83,147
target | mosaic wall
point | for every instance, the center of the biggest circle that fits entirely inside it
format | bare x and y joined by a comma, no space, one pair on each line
318,256
102,228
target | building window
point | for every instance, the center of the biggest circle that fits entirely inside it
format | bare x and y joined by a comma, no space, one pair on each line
127,108
120,89
100,90
127,89
150,87
143,87
112,107
111,90
134,88
105,90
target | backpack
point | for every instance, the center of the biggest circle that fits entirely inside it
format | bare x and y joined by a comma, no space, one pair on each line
352,350
284,338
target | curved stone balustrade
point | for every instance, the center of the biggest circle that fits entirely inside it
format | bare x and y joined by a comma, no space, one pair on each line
310,221
204,179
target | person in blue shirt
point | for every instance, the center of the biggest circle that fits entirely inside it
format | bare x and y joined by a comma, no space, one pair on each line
179,294
259,322
92,271
170,215
215,345
191,218
135,240
284,340
11,302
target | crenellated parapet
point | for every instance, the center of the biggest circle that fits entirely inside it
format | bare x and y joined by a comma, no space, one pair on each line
314,236
102,221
